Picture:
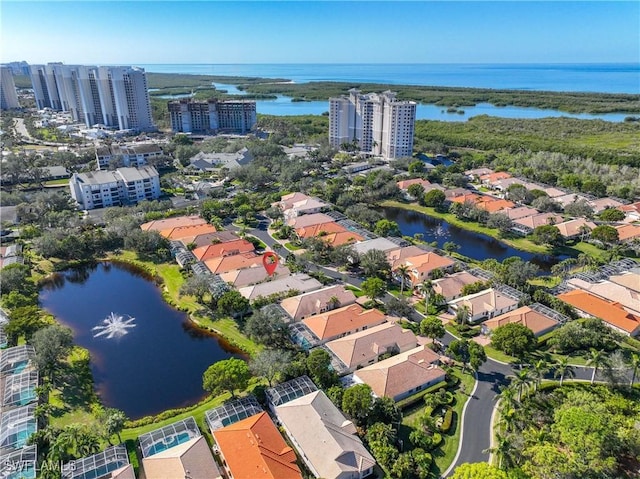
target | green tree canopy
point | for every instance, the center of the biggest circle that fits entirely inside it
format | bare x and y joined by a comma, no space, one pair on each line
319,367
432,327
52,344
373,287
479,470
227,375
513,339
357,402
434,198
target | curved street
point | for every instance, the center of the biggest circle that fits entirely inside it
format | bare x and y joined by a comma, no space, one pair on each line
478,413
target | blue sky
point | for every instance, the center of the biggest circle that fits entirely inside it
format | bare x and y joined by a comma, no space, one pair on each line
148,32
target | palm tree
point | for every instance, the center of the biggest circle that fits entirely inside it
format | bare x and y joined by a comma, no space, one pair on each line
596,360
521,381
402,272
507,397
333,303
584,231
463,314
563,369
504,449
635,365
539,369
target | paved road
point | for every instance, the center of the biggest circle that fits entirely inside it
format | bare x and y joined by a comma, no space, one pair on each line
476,422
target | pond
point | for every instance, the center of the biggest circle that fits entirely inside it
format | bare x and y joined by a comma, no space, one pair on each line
472,244
146,357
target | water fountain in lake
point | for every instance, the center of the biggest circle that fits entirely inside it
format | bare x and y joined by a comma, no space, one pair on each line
114,326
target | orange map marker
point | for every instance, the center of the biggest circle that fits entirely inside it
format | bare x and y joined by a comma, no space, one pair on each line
270,262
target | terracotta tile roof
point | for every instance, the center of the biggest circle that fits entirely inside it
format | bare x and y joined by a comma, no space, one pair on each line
299,282
535,321
193,456
471,197
627,232
455,192
632,208
405,184
628,298
402,373
309,220
479,172
491,177
187,232
396,256
422,265
170,223
315,230
572,228
360,348
287,201
337,322
602,204
253,449
610,312
316,302
237,261
496,205
223,249
342,238
451,286
554,192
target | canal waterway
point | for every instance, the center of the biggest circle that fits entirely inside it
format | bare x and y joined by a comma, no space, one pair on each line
156,364
473,245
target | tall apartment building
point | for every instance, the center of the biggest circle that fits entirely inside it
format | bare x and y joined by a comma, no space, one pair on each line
8,95
124,186
379,123
135,155
212,116
113,96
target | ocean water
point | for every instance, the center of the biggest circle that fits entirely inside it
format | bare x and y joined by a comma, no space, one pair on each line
605,78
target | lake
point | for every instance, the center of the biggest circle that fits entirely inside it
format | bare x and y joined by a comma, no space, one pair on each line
158,364
472,244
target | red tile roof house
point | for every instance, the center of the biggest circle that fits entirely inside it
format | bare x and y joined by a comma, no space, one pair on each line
317,302
254,449
343,321
402,375
614,315
420,267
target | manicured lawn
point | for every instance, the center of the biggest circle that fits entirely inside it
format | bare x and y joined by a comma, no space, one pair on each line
227,328
522,244
493,353
61,181
356,291
292,247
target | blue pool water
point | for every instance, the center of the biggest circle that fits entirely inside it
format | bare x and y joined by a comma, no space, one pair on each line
168,443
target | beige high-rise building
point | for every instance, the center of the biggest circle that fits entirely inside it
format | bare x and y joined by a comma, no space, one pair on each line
8,95
378,123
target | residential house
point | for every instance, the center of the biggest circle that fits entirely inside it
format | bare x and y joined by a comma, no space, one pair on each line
381,244
504,183
553,192
627,298
309,220
632,211
320,229
296,204
11,254
476,173
535,320
628,232
569,198
612,313
112,463
420,267
343,321
365,348
628,279
402,375
527,224
239,278
228,248
576,228
464,198
455,192
520,212
485,304
127,155
175,222
185,233
214,238
397,256
405,184
491,178
299,282
326,441
223,264
451,285
496,205
254,449
192,458
601,204
317,302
